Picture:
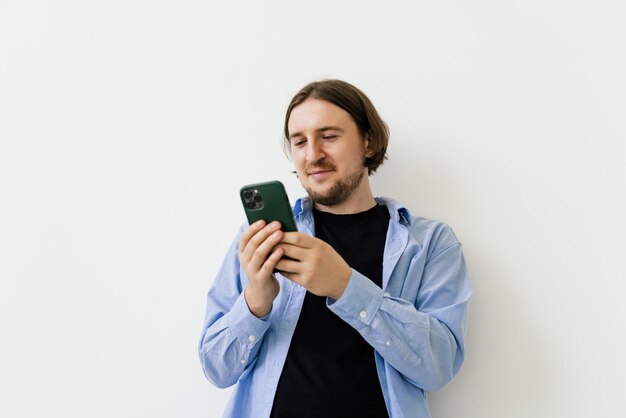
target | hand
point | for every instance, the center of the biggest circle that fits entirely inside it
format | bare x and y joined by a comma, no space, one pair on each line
315,265
255,246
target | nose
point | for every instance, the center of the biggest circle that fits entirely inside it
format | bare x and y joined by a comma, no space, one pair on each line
315,151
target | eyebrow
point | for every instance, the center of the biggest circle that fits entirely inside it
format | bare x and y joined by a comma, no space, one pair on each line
320,130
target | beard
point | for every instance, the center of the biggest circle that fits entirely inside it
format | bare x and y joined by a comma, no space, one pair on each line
338,192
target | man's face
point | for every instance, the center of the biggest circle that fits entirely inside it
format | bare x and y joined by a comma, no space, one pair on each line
328,151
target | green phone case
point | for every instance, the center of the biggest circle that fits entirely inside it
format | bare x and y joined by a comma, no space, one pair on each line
268,201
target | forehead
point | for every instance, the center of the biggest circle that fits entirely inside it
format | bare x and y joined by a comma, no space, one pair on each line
313,114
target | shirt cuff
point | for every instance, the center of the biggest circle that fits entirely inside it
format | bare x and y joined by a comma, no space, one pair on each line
248,325
359,302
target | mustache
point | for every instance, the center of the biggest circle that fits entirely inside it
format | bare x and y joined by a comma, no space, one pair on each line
321,164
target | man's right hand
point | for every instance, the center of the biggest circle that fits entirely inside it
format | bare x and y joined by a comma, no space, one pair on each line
258,261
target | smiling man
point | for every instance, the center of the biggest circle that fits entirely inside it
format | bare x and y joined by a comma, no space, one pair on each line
328,151
369,309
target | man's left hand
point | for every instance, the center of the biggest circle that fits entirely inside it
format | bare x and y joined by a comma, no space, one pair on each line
315,265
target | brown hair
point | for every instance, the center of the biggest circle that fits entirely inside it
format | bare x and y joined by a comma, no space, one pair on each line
358,106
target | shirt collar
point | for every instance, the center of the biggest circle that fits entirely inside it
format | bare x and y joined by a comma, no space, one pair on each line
397,211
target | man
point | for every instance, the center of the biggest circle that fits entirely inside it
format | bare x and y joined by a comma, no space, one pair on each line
369,308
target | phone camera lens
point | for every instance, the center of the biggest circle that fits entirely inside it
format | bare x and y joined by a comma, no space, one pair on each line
257,198
251,204
247,194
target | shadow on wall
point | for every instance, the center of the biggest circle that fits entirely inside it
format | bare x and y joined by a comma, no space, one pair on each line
503,352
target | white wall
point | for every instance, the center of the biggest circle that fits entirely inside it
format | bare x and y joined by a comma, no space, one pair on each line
127,128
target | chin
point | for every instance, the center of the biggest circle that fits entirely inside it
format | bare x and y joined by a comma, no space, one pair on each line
319,186
316,194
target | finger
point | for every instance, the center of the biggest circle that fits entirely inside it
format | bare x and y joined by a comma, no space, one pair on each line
258,238
262,251
294,277
299,239
270,263
249,233
286,265
265,232
293,251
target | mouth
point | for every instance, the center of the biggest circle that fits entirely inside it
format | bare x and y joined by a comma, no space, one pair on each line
319,174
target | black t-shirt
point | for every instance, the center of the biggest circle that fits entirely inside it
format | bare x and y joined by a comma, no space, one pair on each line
330,370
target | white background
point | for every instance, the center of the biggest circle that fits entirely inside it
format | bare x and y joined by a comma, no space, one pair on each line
127,128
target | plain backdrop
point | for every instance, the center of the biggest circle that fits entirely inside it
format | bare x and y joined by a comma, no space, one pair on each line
127,128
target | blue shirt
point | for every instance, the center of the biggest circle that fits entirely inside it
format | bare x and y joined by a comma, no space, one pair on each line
416,322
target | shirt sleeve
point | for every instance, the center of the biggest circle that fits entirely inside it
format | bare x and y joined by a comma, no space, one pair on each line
423,338
231,334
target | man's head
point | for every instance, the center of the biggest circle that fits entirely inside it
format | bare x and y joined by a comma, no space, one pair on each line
349,98
335,137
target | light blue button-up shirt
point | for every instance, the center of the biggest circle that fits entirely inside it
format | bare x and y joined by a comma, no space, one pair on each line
416,322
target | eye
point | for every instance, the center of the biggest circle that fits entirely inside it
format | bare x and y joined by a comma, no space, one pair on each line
299,142
329,137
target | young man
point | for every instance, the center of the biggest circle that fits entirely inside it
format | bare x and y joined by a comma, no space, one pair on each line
369,309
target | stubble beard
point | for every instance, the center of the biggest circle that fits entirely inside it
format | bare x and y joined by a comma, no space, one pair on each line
338,192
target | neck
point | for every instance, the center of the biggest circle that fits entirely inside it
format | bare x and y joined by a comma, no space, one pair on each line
360,200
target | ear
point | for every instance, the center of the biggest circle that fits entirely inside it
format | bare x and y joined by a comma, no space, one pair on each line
368,151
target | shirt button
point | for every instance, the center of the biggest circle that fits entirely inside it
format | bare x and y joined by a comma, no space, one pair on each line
388,343
363,314
252,338
242,361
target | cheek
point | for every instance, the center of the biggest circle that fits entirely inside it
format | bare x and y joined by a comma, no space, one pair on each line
298,159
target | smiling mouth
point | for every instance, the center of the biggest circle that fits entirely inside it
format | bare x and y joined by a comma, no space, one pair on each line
319,173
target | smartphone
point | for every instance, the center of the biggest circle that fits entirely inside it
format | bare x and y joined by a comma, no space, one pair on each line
268,201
